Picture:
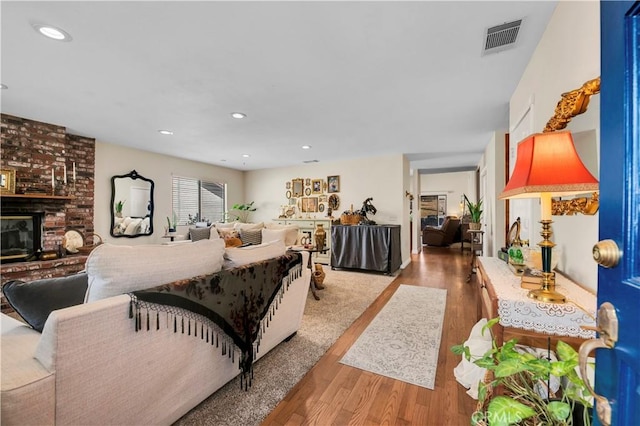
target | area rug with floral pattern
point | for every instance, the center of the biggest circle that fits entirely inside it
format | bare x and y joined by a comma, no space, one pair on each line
403,340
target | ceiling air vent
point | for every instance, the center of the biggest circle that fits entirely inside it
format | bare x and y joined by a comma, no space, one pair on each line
310,161
501,37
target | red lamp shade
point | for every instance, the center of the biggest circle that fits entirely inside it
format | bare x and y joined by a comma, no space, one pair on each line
548,163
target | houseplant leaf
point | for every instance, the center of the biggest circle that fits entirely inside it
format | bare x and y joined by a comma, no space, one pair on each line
559,410
503,411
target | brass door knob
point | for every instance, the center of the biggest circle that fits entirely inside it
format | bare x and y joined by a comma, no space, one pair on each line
606,253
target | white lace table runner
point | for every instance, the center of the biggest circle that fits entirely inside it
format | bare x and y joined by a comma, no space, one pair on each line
519,311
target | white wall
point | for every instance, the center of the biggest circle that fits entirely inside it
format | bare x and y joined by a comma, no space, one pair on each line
117,160
383,178
492,164
567,56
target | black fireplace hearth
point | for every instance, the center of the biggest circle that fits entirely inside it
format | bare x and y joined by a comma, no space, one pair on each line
21,236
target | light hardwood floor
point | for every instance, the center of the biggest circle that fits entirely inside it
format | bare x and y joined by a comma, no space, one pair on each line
335,394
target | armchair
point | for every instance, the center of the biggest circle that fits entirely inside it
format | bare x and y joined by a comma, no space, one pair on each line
442,236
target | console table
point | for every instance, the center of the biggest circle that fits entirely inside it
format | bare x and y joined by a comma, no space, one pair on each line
368,247
530,321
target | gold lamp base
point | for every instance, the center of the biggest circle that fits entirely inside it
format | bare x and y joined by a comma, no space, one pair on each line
546,295
547,292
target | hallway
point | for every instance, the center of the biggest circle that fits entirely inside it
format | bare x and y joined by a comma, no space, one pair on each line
333,393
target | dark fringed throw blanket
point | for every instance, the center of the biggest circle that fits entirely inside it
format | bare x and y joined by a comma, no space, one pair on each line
236,300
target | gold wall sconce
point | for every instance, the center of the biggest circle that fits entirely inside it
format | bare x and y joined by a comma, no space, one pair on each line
584,205
571,104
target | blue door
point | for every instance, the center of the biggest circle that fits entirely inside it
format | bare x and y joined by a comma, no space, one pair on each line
618,368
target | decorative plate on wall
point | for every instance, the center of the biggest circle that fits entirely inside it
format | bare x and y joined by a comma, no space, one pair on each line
321,208
334,201
73,240
288,194
307,191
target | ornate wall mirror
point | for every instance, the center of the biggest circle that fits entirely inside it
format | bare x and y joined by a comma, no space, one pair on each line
297,188
131,205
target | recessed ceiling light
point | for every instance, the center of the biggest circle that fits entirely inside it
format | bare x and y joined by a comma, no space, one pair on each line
246,155
238,115
306,146
165,132
52,32
3,86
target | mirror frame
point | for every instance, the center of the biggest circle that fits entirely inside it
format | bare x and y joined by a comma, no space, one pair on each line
297,187
571,104
131,175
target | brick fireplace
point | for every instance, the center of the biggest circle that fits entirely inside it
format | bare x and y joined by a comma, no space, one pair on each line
34,149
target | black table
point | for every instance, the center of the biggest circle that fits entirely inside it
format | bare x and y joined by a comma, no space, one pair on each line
367,247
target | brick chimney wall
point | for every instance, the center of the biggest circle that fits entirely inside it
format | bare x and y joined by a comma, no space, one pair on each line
33,149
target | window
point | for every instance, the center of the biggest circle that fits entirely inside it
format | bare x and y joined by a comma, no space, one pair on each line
195,197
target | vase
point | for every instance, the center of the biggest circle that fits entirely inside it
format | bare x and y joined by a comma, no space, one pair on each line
318,276
321,237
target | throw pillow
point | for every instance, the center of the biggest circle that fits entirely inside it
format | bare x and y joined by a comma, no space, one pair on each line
197,234
244,255
228,233
269,235
232,242
292,232
35,300
118,269
249,236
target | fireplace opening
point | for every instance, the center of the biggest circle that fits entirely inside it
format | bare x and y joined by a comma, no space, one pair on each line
21,236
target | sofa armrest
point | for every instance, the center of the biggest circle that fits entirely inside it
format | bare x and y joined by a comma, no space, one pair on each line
104,311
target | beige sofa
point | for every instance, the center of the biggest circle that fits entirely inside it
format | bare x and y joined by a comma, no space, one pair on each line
90,366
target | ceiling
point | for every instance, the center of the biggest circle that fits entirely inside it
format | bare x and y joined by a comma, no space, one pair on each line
350,79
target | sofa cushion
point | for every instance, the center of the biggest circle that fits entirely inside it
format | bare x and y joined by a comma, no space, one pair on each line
251,236
117,269
35,300
248,226
275,235
244,255
292,232
225,225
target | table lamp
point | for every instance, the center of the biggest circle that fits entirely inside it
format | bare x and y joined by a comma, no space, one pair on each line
548,165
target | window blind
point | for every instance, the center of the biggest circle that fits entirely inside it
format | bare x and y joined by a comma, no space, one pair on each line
192,196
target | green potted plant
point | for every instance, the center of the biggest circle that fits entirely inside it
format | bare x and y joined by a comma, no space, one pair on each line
522,379
172,225
242,211
119,205
475,211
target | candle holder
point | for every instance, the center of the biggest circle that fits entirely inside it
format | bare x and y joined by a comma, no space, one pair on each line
60,188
